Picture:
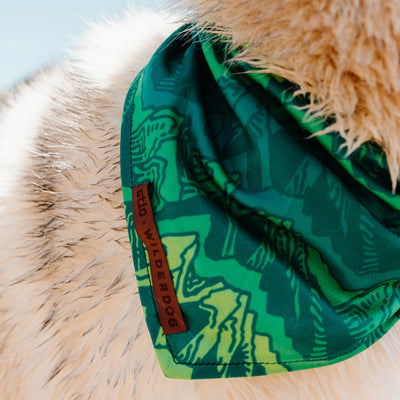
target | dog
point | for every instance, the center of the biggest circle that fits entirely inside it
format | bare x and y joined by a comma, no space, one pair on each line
72,325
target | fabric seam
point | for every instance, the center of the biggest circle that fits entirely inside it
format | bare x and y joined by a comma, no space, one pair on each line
239,363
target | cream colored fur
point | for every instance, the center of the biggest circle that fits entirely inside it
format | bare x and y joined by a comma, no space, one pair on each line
70,316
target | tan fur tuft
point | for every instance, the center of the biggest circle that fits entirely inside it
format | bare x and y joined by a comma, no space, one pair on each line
344,54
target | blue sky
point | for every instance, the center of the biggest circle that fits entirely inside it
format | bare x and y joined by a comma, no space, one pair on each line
35,33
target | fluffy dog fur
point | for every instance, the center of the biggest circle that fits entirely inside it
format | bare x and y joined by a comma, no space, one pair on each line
70,316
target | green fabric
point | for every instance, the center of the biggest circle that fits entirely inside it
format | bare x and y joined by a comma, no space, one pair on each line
284,254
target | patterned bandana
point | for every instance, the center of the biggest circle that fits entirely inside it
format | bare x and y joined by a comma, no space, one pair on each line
257,249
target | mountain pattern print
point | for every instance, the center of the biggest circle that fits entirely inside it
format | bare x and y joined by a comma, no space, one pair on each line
284,251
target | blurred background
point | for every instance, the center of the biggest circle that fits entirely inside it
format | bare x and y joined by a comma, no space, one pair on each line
33,34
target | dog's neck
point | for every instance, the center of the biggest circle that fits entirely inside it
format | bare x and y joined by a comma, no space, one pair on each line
344,55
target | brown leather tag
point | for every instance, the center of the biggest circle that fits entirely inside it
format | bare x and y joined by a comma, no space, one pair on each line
169,312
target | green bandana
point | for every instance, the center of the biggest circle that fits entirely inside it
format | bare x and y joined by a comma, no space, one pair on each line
275,251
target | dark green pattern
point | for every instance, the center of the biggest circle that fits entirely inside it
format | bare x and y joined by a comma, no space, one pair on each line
284,253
